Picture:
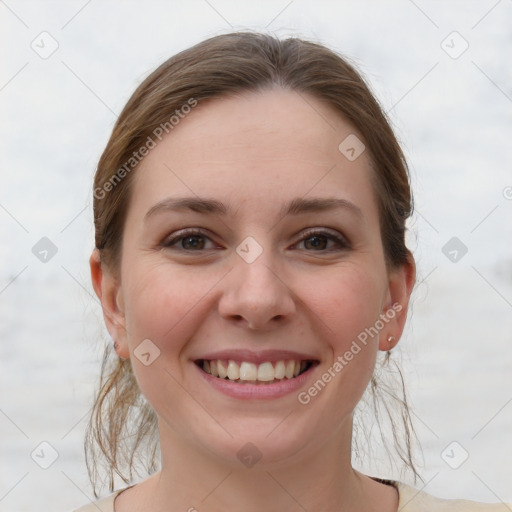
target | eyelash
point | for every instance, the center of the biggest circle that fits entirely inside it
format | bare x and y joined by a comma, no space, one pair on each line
341,241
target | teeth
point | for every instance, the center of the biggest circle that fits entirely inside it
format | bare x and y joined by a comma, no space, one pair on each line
245,371
223,370
249,371
279,370
290,367
266,372
233,371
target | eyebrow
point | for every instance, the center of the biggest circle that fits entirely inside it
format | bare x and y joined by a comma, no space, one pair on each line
296,206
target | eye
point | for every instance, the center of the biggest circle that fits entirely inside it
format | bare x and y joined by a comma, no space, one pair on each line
191,240
318,240
194,240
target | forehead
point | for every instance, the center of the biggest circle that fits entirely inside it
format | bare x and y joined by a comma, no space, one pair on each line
258,148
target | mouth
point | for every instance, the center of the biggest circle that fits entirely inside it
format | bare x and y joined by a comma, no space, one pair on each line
247,372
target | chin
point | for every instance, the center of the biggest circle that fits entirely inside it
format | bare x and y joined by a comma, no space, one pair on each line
269,441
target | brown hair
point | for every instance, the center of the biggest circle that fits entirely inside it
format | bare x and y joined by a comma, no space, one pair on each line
221,66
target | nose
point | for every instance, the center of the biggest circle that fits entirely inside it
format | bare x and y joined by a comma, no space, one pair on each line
256,296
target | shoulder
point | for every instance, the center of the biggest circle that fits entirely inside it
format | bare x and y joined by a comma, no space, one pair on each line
103,505
415,500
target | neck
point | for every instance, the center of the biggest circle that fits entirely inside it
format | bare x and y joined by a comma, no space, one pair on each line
194,480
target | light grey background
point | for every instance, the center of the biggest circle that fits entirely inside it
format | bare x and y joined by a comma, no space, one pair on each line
452,112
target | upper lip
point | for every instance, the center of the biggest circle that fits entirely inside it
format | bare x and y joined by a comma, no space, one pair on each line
257,357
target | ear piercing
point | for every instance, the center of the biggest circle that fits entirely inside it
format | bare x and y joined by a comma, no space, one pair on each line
391,339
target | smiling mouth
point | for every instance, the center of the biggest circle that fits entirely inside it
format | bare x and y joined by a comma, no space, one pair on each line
244,372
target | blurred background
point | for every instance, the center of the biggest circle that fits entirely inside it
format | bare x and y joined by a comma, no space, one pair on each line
440,71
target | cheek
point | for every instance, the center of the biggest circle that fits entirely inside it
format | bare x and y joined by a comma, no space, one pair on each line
347,302
161,304
349,306
166,305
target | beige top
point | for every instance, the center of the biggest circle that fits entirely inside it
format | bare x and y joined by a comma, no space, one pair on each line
410,500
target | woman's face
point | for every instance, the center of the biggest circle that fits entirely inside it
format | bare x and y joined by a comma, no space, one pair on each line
248,283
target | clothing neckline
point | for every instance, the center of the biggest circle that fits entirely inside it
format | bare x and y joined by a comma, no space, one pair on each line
391,483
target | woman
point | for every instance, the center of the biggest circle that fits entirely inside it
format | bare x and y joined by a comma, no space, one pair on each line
250,211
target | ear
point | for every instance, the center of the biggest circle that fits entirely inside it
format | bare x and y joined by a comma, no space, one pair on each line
394,313
110,293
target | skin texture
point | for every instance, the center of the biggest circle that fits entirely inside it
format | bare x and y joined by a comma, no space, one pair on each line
253,152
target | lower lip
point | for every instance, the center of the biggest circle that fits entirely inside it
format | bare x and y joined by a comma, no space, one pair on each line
256,391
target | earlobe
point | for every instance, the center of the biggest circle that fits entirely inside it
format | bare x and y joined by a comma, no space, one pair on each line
387,343
109,293
400,286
